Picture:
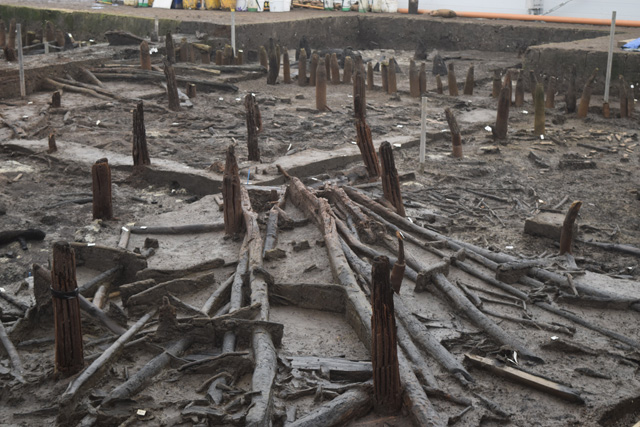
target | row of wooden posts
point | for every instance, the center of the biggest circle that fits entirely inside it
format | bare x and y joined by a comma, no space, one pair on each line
51,37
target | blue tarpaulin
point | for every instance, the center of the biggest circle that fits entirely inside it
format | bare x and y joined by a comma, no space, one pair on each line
632,45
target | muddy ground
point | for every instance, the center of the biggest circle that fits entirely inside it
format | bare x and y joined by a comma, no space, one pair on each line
483,198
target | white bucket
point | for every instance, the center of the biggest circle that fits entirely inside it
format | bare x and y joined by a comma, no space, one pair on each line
280,5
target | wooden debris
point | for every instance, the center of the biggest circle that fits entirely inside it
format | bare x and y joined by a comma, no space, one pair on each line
140,151
583,109
550,93
539,125
231,195
570,97
456,138
566,234
101,177
469,83
286,68
351,404
390,181
321,86
519,101
254,126
145,56
348,70
453,84
172,86
14,357
502,119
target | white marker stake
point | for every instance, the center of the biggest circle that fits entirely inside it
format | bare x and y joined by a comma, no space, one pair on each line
233,32
23,90
44,39
423,132
607,82
156,27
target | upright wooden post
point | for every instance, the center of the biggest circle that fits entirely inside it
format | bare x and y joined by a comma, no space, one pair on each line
184,51
101,178
3,34
570,97
566,233
240,57
314,68
232,203
550,95
286,68
509,84
519,101
422,78
23,87
50,32
274,68
348,70
497,84
172,86
140,151
254,126
219,60
321,86
624,97
585,99
456,138
192,90
302,68
439,88
384,346
502,119
453,84
11,37
171,49
56,99
145,56
228,57
414,80
384,76
390,179
327,66
335,69
264,59
370,83
69,358
359,96
533,82
469,82
539,126
52,143
392,82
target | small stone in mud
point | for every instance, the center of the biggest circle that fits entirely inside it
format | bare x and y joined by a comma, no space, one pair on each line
299,96
151,243
273,254
301,246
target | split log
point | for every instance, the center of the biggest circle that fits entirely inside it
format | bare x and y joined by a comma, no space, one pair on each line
313,70
274,67
191,90
56,99
367,150
155,294
528,322
390,180
469,82
321,86
414,80
497,84
391,77
456,138
254,126
140,151
384,76
597,302
453,84
171,50
370,76
216,69
335,69
161,276
525,378
539,125
351,404
145,56
179,229
263,57
624,97
231,191
550,93
585,99
66,310
502,119
286,68
519,101
384,355
566,233
570,97
14,357
348,70
101,187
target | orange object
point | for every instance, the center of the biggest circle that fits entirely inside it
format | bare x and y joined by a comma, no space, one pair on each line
522,17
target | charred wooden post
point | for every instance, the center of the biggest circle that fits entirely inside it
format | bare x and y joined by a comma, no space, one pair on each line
519,101
262,56
367,150
384,346
359,96
566,233
439,88
502,119
52,143
140,151
172,86
286,68
348,70
335,69
274,69
390,179
69,358
624,97
451,77
469,82
321,86
497,84
56,99
550,95
456,139
314,68
145,56
414,80
171,49
539,126
254,126
101,178
384,76
219,59
392,82
205,58
570,97
422,78
585,99
369,76
302,69
191,90
231,195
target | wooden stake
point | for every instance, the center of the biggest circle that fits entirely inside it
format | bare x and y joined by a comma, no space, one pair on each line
302,69
519,101
52,143
3,34
327,65
228,57
240,57
171,49
390,179
264,59
624,94
570,97
184,51
314,68
414,80
365,144
359,96
219,60
509,84
69,358
56,99
423,131
11,38
585,99
453,84
439,88
321,86
254,126
101,177
456,139
607,81
50,32
497,84
231,195
469,82
384,346
335,69
533,82
274,68
550,93
370,76
566,233
384,75
502,119
286,70
348,70
23,88
399,267
422,78
391,77
191,90
140,151
145,56
539,126
172,86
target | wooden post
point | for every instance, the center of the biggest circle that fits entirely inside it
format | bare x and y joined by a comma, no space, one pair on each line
384,75
624,94
191,90
384,346
52,143
422,79
231,197
302,68
533,82
585,99
566,233
145,56
502,119
171,50
314,67
184,51
367,150
439,88
219,60
348,70
359,96
370,76
228,56
414,80
286,67
69,358
240,57
254,126
570,97
60,38
390,179
327,65
469,82
456,139
335,69
453,84
140,151
274,68
391,77
3,34
11,38
509,84
519,101
172,86
50,32
101,178
264,60
279,56
23,88
321,86
539,126
56,99
550,93
423,132
497,84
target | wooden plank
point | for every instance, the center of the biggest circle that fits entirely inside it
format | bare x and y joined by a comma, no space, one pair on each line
517,375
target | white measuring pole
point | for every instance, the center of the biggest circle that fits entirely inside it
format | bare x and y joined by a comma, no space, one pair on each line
233,32
44,39
607,82
423,131
23,90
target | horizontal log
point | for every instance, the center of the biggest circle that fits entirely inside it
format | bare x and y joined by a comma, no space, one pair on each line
159,77
352,404
179,229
